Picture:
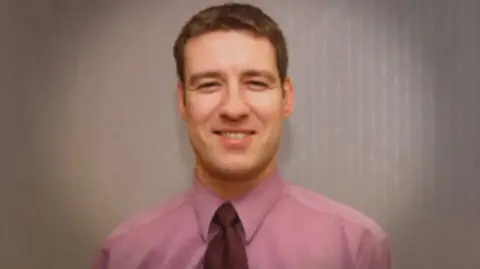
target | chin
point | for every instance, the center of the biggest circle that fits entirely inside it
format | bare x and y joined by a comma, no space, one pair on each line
233,166
234,170
237,171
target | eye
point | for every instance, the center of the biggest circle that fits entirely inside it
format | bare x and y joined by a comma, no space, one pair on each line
257,85
208,86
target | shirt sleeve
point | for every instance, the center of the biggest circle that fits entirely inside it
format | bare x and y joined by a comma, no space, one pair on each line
374,252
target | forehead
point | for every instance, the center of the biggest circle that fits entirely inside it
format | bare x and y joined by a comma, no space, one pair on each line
229,51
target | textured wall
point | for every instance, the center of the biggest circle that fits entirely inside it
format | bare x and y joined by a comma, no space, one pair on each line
386,120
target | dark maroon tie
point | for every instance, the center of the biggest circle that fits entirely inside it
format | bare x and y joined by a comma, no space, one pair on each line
226,250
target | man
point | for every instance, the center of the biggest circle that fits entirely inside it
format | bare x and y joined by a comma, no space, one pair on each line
234,95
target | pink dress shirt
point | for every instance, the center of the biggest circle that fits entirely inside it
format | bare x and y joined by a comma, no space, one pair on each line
284,227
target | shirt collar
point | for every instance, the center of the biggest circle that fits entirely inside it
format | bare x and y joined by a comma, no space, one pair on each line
251,208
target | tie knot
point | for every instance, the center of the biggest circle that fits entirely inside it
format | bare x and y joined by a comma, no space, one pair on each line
226,216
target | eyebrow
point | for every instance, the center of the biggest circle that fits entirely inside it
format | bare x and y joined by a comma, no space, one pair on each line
260,73
194,78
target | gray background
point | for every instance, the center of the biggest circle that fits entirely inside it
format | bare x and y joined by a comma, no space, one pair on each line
386,120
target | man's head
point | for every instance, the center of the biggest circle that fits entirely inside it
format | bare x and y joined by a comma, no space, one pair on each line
233,89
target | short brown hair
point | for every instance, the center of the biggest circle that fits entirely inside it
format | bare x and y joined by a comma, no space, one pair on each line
232,16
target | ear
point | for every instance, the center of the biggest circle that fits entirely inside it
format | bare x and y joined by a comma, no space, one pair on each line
181,99
288,97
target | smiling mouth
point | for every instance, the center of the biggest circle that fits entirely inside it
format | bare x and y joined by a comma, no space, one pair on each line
237,135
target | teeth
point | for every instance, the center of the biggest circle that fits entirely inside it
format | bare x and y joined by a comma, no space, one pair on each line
232,135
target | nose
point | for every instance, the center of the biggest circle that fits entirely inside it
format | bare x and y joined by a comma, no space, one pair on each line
234,105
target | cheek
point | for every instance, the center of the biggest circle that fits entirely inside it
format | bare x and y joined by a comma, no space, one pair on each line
200,107
266,105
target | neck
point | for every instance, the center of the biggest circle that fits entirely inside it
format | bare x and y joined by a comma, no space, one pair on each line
230,189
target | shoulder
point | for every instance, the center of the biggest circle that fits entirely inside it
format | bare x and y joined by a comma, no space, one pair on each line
354,222
366,241
132,239
141,222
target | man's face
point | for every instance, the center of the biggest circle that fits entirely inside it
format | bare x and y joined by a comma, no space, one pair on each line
233,102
